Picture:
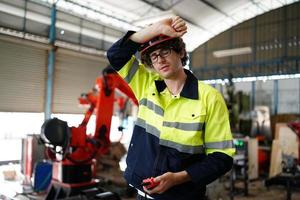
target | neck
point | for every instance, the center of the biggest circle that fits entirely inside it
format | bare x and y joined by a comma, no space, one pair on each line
176,84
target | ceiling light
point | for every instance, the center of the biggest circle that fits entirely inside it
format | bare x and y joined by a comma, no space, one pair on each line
232,52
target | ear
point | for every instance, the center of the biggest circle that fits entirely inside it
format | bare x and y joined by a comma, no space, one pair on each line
181,54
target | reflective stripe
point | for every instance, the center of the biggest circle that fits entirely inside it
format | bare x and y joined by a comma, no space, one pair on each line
183,148
152,106
132,71
149,128
219,145
143,195
185,126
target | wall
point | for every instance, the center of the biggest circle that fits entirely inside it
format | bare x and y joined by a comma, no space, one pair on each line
288,94
274,39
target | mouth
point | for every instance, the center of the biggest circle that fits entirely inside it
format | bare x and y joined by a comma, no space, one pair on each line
164,68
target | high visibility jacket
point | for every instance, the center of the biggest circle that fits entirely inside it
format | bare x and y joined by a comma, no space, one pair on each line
189,131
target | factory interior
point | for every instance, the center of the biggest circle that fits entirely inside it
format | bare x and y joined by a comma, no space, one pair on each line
67,119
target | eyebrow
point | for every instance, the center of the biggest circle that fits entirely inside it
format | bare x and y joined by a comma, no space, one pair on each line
155,53
158,50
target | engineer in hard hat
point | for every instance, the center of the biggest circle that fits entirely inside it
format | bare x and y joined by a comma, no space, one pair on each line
181,140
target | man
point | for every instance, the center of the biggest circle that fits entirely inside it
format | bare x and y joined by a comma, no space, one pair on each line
182,134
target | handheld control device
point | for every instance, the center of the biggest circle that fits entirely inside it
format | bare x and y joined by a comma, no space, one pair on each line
149,183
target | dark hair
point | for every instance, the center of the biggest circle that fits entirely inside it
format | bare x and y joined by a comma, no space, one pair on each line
176,44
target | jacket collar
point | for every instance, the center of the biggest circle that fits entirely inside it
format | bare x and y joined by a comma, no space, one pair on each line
189,90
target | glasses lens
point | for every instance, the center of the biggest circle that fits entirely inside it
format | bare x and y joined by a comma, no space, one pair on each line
154,57
162,53
165,52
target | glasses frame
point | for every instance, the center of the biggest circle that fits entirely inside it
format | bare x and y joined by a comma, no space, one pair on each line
162,53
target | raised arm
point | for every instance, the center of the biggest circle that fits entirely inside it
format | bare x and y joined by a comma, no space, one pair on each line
173,27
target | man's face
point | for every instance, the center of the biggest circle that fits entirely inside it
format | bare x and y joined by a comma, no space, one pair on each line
166,62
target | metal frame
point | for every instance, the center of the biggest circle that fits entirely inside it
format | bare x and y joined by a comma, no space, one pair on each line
283,65
51,61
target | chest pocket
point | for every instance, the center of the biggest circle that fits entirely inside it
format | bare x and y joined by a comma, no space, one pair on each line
193,112
194,118
194,127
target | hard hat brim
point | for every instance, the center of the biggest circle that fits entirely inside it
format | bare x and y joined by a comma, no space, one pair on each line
150,44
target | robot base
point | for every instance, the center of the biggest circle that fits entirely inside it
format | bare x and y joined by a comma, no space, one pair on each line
83,191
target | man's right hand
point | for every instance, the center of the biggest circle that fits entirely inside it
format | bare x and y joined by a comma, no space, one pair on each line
173,27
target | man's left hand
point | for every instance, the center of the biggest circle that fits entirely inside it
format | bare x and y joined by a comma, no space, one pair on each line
168,180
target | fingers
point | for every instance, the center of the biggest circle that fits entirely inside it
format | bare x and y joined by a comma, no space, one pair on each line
165,182
157,190
178,22
180,34
173,27
158,178
173,33
181,29
176,19
179,25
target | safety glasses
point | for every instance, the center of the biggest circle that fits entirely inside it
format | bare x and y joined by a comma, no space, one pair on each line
163,53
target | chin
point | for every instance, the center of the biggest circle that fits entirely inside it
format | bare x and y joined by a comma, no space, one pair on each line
166,76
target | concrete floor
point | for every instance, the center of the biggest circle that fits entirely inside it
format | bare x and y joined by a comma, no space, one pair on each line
257,191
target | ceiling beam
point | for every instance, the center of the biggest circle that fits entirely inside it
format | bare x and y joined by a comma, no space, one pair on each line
96,11
64,25
162,9
217,9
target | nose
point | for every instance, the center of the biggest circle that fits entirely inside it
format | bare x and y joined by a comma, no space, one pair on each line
160,58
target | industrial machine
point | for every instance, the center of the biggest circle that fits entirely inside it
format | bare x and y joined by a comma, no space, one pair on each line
290,175
73,151
240,167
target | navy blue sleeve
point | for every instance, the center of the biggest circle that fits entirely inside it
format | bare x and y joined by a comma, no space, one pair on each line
121,51
212,167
